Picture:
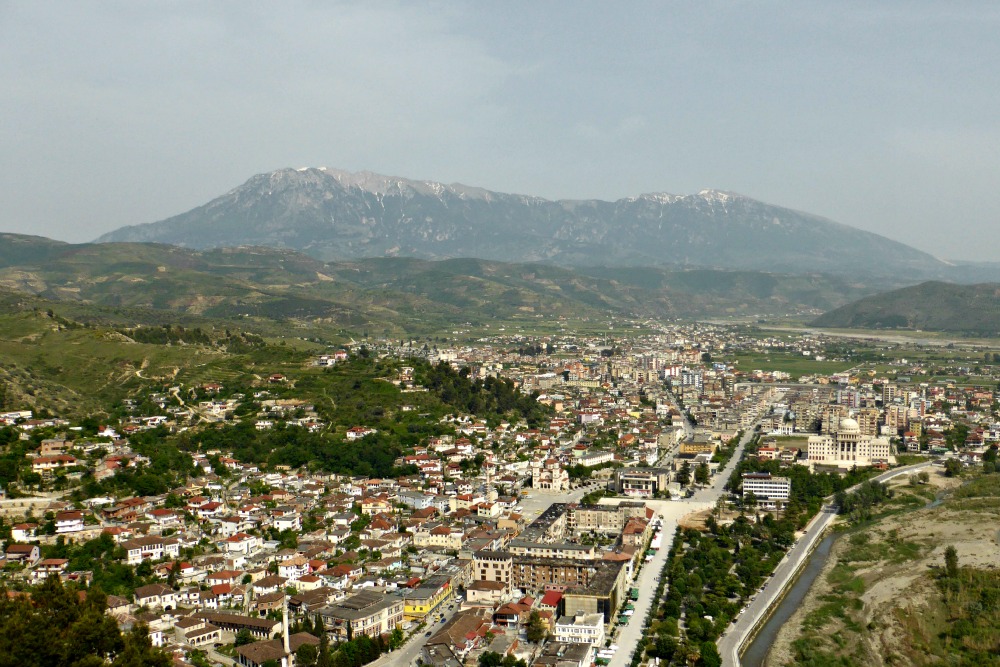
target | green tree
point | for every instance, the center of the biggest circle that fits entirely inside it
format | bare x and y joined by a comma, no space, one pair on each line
306,656
324,658
536,629
139,651
701,474
951,562
709,656
684,474
243,637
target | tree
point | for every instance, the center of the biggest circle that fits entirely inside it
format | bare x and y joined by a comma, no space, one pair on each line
139,651
175,571
396,638
701,474
494,659
536,629
952,468
243,637
951,562
324,659
684,474
709,656
306,656
319,628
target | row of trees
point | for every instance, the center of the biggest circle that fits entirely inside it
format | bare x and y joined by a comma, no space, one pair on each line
710,575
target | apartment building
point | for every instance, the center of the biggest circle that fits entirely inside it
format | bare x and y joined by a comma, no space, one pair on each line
580,629
366,613
607,519
767,489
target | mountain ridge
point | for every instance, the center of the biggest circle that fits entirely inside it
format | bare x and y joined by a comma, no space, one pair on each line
395,292
333,214
930,306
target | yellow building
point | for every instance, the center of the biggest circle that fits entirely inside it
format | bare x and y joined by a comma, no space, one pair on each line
698,445
427,598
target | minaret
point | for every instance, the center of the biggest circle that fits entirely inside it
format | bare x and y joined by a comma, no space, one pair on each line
284,624
491,493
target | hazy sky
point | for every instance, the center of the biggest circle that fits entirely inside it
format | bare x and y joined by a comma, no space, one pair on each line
883,116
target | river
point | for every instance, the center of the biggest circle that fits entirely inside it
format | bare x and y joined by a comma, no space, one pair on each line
757,651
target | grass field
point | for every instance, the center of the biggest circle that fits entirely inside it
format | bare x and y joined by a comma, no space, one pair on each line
787,362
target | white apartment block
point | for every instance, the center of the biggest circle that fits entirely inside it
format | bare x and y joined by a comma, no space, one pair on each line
581,629
765,488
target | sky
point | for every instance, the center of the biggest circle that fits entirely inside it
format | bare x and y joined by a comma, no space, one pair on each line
882,116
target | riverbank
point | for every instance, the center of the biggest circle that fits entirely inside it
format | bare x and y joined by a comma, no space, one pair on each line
877,599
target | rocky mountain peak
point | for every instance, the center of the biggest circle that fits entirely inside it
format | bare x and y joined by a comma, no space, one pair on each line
337,214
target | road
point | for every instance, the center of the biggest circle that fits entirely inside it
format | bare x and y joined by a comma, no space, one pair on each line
715,490
672,511
407,654
629,636
732,641
688,425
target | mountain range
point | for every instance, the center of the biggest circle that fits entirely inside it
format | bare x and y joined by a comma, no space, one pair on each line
331,214
395,293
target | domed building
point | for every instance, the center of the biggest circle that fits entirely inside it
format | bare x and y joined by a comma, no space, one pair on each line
848,447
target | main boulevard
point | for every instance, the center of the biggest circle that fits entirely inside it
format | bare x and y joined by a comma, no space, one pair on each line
671,511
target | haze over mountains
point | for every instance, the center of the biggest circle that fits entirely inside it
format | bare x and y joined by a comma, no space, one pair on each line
335,215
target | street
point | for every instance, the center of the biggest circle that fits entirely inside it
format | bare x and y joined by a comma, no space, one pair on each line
672,511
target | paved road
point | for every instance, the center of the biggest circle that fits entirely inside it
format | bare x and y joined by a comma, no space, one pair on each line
406,655
732,641
712,492
672,511
687,424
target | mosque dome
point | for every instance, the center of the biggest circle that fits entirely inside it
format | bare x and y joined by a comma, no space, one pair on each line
849,425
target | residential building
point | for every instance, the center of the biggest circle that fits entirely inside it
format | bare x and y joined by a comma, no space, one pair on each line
426,598
366,613
580,629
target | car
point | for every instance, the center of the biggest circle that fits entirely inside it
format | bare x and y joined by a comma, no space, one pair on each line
427,634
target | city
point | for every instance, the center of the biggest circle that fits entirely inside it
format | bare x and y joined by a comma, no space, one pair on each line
546,542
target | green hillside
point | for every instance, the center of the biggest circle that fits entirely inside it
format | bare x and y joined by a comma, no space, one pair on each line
277,292
930,306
